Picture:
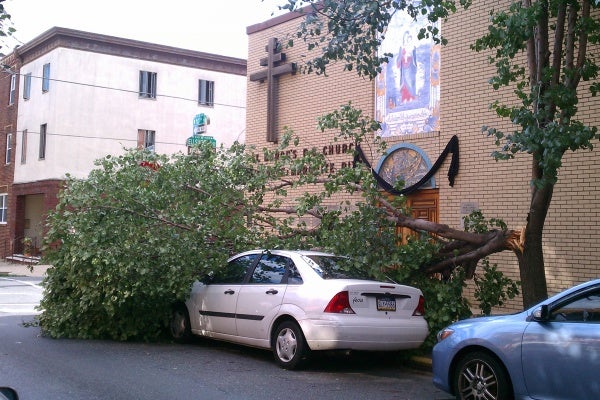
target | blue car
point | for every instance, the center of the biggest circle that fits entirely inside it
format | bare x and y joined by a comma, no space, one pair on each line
550,351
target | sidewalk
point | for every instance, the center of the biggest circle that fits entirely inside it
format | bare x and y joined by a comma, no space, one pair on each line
18,269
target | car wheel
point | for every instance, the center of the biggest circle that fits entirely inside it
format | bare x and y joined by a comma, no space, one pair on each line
481,376
289,346
179,325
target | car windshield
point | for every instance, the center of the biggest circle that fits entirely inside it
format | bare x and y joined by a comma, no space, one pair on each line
333,267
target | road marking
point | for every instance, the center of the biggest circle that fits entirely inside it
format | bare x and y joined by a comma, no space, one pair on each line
23,282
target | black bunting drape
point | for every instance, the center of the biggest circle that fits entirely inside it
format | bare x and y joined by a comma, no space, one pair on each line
451,147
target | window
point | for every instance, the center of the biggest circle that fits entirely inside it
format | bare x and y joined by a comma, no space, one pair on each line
147,85
13,89
24,146
9,139
43,141
206,92
27,86
294,277
329,267
146,139
270,269
3,208
236,270
46,78
584,308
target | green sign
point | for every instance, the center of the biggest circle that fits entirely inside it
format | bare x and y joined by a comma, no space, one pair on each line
198,139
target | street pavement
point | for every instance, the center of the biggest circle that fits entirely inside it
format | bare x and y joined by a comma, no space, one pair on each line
13,270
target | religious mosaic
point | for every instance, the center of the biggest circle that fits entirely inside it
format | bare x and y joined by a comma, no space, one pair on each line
408,88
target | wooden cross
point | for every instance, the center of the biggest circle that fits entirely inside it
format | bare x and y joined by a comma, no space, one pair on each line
271,74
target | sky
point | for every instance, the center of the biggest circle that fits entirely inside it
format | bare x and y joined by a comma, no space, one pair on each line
211,26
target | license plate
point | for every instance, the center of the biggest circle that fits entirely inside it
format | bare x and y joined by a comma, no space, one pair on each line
386,304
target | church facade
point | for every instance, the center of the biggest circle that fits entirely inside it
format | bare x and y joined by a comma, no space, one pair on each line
431,98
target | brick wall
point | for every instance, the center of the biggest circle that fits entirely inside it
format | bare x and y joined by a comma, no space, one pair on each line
8,124
499,189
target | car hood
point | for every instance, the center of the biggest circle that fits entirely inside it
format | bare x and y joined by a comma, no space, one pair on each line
491,319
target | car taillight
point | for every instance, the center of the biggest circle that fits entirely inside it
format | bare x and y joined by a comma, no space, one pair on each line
420,310
339,304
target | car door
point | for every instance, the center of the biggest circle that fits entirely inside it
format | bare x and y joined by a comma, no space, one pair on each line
215,303
561,357
261,297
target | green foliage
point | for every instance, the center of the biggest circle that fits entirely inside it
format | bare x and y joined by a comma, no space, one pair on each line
545,124
352,31
476,222
444,300
128,241
492,288
4,18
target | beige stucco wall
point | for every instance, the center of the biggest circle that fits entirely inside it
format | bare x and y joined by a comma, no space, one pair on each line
92,109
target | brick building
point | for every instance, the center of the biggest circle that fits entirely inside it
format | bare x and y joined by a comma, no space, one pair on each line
9,93
458,94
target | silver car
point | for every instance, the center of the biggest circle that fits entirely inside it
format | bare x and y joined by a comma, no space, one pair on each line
550,351
296,302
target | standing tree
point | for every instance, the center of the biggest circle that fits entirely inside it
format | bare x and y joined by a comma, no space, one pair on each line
557,41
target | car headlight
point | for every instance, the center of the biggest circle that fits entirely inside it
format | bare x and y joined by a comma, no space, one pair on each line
444,333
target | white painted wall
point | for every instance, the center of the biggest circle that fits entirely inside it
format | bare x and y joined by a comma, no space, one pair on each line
86,120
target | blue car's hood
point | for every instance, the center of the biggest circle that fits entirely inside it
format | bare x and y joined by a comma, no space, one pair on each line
491,319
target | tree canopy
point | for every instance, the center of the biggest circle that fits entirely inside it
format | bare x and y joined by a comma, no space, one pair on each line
127,242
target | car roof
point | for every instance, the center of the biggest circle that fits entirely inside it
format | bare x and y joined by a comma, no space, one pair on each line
284,252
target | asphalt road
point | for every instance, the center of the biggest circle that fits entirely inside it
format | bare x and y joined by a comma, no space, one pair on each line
19,295
41,368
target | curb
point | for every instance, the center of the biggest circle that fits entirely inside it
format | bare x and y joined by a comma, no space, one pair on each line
422,363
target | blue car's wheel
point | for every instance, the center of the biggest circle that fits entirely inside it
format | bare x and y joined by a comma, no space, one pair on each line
479,376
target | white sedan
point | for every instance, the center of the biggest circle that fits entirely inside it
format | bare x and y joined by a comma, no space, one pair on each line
295,302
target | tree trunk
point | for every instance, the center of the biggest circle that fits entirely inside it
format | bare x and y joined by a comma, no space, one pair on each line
531,267
531,261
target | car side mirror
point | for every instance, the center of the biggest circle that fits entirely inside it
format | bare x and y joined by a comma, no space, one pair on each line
542,313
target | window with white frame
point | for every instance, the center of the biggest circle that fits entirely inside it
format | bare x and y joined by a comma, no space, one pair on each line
27,86
46,78
9,148
206,92
24,146
147,85
146,139
43,129
13,89
3,208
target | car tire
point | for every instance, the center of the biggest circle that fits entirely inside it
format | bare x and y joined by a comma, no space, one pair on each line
179,325
479,375
289,346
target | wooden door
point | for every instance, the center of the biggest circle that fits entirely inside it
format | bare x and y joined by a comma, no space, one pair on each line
423,204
